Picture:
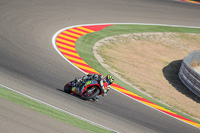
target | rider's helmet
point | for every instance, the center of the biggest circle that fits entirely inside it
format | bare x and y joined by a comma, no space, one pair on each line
109,79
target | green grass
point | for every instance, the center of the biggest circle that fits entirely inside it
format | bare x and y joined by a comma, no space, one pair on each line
49,111
84,47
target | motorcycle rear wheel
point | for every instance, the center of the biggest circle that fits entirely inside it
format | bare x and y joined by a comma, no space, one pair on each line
68,88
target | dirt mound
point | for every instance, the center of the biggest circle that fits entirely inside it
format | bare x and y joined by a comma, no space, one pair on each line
151,62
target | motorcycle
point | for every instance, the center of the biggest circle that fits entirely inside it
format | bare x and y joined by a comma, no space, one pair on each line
85,90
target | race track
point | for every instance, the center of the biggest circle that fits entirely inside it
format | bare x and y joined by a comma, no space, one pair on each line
30,64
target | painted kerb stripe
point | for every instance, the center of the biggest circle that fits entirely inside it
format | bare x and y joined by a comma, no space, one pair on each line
74,59
191,1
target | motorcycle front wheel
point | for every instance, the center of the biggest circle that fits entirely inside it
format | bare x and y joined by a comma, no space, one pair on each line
91,93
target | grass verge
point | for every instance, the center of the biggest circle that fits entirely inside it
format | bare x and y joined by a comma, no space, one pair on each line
84,47
49,111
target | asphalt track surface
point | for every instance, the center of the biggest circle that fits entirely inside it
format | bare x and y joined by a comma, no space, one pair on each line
30,64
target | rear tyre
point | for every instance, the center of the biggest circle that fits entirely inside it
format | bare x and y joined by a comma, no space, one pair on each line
68,88
92,95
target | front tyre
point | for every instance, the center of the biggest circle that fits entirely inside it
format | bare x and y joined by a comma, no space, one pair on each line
90,94
68,88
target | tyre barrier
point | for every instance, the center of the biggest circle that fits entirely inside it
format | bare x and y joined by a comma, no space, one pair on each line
189,77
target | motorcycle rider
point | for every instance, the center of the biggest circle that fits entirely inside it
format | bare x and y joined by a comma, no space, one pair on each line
104,82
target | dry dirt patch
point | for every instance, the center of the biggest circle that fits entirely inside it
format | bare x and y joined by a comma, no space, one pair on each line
151,61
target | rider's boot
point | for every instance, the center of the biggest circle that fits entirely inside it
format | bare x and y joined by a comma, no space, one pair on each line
73,83
79,89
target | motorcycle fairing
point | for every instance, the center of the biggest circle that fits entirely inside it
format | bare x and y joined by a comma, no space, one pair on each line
84,87
74,90
90,83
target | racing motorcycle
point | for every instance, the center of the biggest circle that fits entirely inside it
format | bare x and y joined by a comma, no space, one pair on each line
85,90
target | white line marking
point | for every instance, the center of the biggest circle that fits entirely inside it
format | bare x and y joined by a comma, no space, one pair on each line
58,109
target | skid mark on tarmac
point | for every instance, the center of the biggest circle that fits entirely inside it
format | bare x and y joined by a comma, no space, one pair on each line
64,42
